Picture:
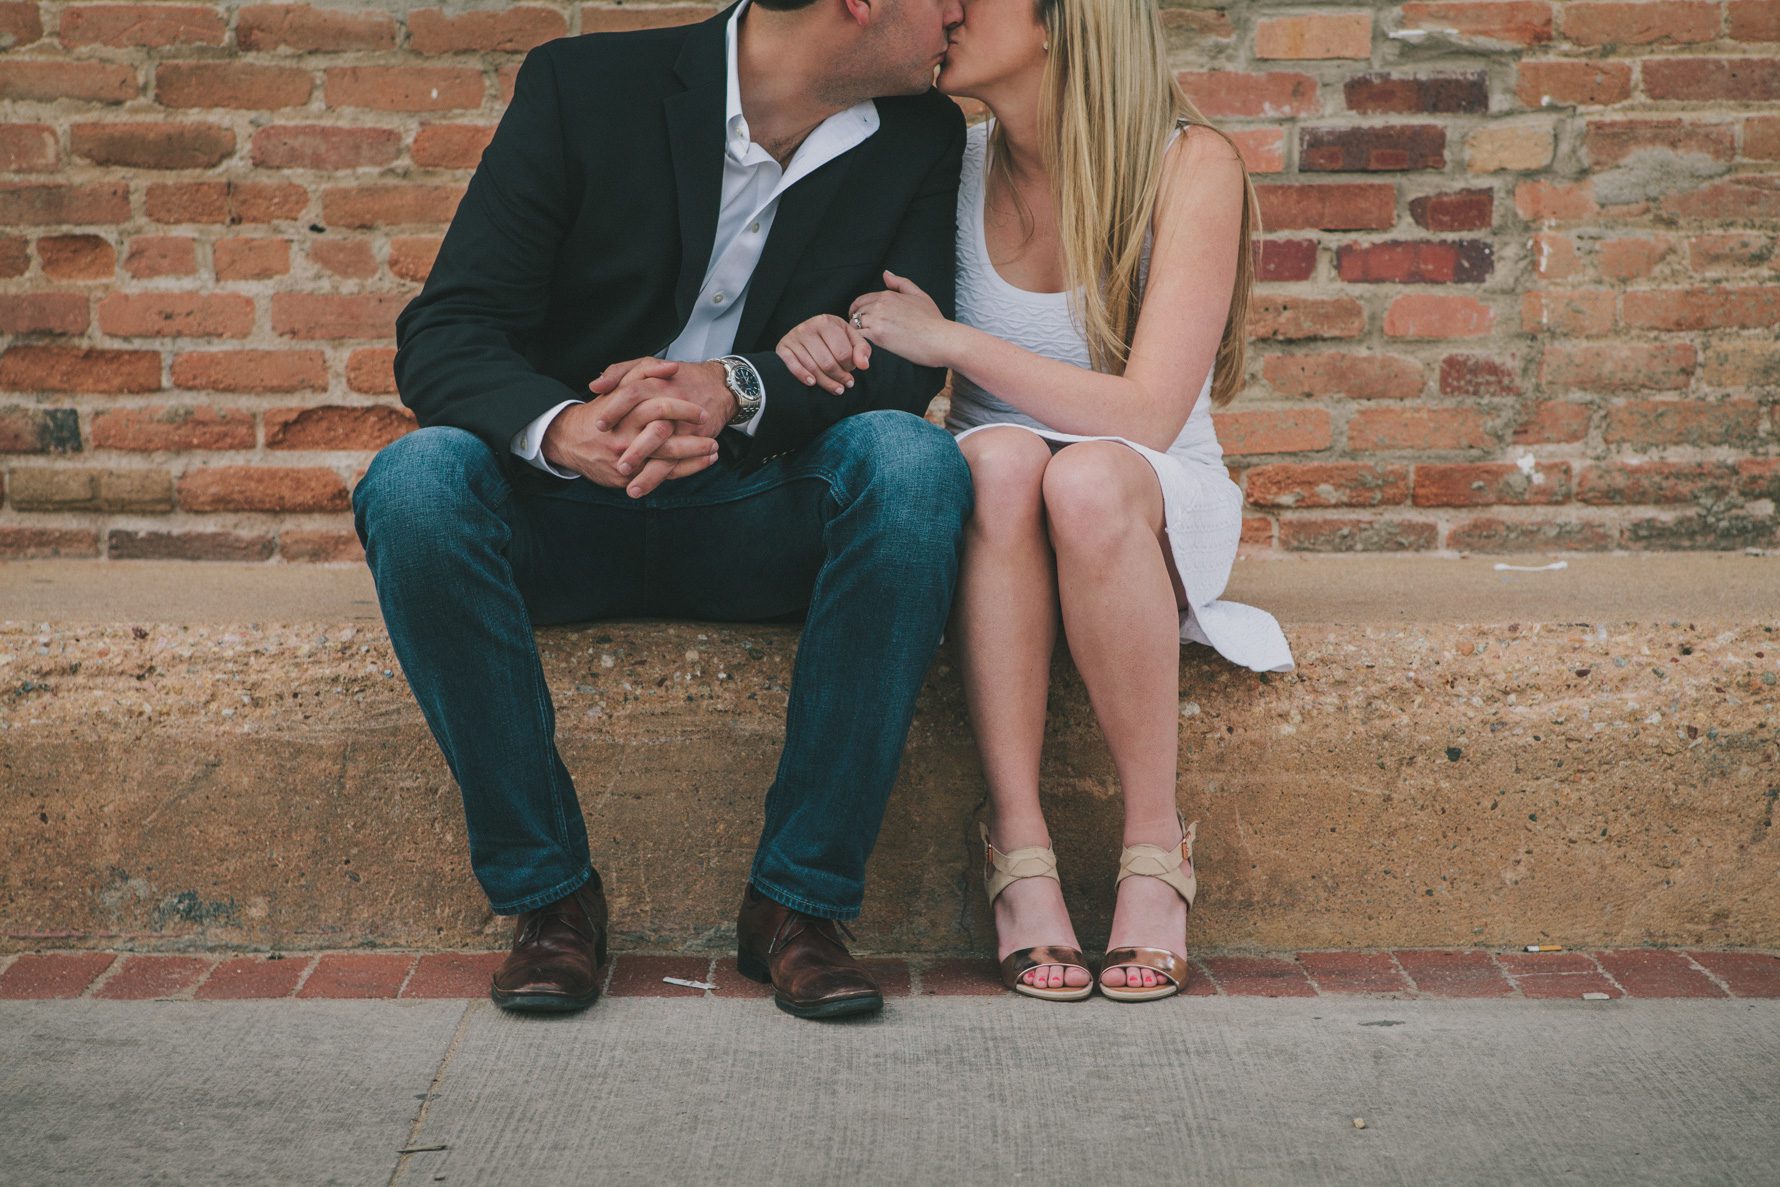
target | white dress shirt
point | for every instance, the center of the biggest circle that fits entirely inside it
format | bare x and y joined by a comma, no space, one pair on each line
752,184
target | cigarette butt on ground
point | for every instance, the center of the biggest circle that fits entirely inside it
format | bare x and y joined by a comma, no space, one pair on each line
1597,997
1545,947
690,984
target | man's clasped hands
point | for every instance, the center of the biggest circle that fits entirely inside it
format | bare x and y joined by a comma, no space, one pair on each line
650,420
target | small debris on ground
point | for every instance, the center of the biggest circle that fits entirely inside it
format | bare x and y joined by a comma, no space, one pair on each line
690,984
1359,1123
1553,567
1597,996
422,1149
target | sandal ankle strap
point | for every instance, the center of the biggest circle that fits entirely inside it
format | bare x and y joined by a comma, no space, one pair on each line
1001,870
1164,865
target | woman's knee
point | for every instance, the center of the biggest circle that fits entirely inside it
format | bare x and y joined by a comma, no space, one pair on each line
1093,489
1007,468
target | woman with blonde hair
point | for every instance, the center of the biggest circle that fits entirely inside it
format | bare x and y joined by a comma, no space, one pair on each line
1104,272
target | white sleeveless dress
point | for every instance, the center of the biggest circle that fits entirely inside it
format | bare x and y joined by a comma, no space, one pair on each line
1202,507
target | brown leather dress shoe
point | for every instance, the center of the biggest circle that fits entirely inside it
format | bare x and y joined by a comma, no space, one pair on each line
811,972
559,955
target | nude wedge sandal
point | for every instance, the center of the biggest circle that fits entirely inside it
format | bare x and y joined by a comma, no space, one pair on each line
1164,865
1001,870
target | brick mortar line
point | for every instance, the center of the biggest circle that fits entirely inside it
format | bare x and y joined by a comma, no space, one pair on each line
1723,985
1594,959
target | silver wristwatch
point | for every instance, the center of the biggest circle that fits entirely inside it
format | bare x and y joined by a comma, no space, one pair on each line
744,383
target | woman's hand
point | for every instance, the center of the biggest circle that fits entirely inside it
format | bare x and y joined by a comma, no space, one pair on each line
825,348
904,321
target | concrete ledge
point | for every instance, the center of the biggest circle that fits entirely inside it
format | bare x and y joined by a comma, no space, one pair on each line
213,756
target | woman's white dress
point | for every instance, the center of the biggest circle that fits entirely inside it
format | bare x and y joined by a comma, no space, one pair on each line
1203,508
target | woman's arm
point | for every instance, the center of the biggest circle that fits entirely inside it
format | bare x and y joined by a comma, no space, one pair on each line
1186,303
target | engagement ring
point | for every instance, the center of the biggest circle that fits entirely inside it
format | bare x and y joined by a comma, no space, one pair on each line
857,324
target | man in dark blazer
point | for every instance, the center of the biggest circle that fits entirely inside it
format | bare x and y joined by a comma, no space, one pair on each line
606,430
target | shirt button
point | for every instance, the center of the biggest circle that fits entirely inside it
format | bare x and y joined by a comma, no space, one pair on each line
716,298
754,227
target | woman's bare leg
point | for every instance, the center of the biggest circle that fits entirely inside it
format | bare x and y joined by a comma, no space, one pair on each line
1120,615
1005,620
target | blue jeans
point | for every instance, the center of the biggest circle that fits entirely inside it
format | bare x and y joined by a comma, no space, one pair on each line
859,530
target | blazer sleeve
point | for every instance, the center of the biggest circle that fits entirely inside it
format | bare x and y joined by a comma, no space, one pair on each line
923,250
459,358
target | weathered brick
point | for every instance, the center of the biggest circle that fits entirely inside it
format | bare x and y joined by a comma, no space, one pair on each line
1360,206
37,202
1552,422
161,255
1586,313
609,18
28,148
262,488
156,26
1555,201
224,201
39,430
52,974
370,206
361,426
1749,974
172,427
1231,94
508,30
1742,363
305,29
1753,20
253,258
1353,972
1484,23
357,975
1275,259
30,367
315,547
1273,430
1396,94
249,977
1670,22
1396,148
370,371
1648,423
1737,199
1609,142
1259,976
49,80
1623,366
1630,257
130,545
77,257
1283,318
451,146
1569,82
1453,974
15,256
1729,251
251,370
1315,36
1191,27
404,88
1703,308
143,144
1738,80
231,84
328,316
1712,528
1424,315
1556,256
1496,148
463,975
319,146
81,488
1477,377
1614,484
1326,484
1478,484
44,313
1300,534
1416,261
1532,534
1656,972
148,977
176,315
1334,373
354,259
1455,210
21,543
1263,150
1417,428
20,24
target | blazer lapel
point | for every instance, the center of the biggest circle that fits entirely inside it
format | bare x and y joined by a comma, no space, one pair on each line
801,210
695,137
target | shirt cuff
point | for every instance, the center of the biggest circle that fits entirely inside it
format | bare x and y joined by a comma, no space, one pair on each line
528,442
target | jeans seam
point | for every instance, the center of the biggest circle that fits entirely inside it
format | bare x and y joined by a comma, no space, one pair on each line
562,889
798,902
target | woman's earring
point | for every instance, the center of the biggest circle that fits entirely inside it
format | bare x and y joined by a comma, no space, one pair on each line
1047,46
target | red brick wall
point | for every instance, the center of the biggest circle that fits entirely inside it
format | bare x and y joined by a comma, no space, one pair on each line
1521,287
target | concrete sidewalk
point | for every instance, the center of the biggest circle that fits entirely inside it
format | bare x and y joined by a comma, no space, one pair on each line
935,1090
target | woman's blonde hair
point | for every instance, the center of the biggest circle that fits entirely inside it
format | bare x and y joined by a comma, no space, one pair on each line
1108,104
